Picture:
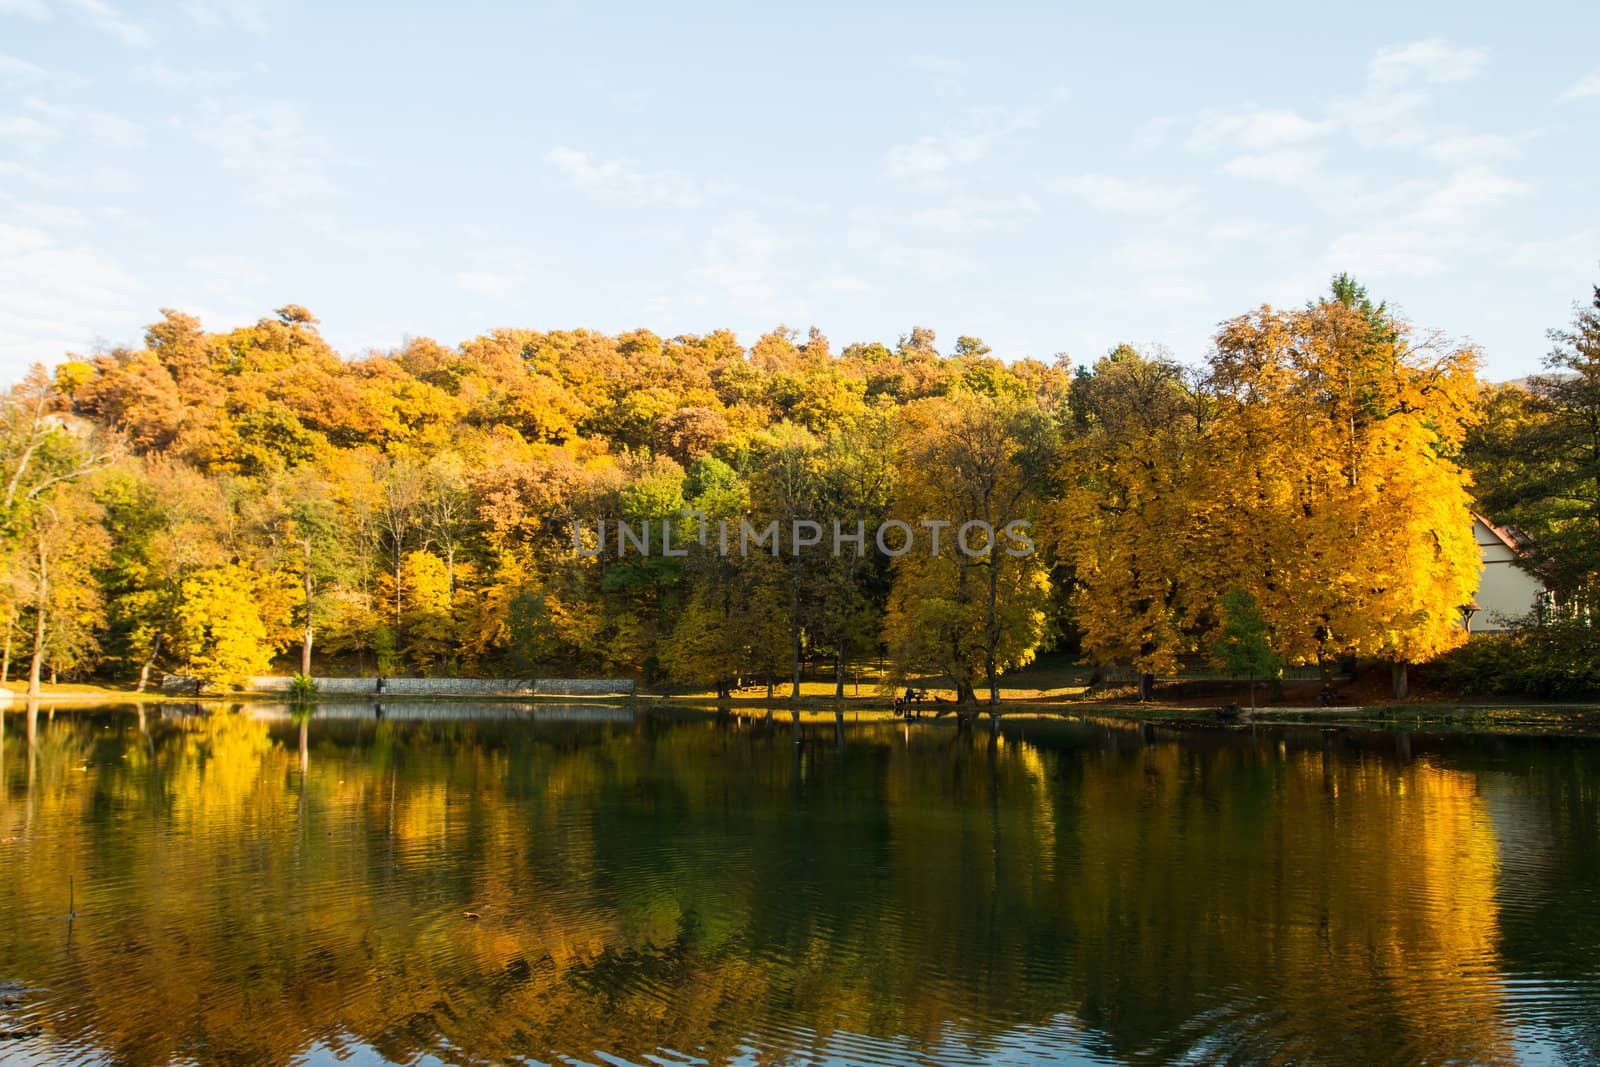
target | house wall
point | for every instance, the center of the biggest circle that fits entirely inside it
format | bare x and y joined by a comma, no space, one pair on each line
1506,592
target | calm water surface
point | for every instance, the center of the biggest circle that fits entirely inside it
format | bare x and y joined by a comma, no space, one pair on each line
247,888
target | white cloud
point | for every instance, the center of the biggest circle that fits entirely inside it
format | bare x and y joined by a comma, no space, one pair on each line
1257,129
1434,61
1584,87
931,263
1471,147
1152,133
1385,250
101,127
39,214
1130,196
1172,291
486,282
740,260
214,14
227,268
1380,118
161,74
939,66
1275,141
1467,192
843,284
113,131
33,9
29,131
933,157
1576,254
496,271
1156,255
945,75
12,169
1297,168
271,145
1255,232
1401,82
931,161
1438,227
17,71
14,69
56,295
103,17
971,214
623,179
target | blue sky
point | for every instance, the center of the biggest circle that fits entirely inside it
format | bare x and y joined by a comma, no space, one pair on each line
1052,178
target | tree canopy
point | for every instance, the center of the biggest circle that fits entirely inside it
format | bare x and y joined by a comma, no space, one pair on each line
209,501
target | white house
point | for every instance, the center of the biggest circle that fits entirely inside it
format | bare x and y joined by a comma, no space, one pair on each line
1510,587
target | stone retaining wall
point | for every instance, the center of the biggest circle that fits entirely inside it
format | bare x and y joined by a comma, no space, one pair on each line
453,710
464,687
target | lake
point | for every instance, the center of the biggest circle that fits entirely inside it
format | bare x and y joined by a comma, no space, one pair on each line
484,883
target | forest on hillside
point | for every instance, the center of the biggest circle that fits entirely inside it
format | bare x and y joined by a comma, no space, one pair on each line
210,502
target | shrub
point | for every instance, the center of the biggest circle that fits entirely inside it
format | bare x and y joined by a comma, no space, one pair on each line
1557,661
302,688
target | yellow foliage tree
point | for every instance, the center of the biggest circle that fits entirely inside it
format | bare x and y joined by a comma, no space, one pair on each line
1123,522
222,635
1336,496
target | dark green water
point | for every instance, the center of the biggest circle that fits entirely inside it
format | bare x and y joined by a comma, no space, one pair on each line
660,890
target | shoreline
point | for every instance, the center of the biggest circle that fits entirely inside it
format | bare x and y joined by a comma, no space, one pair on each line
1556,718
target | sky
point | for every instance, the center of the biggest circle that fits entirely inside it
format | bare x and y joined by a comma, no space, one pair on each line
1053,179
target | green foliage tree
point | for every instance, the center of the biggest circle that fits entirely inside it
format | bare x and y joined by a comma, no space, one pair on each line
1244,641
1536,457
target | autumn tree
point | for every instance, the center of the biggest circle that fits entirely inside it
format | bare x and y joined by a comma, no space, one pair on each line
855,478
164,520
1121,522
974,605
1343,509
223,637
49,524
784,494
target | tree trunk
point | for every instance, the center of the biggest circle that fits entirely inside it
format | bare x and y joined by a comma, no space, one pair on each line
964,692
838,672
41,606
309,585
794,631
1398,673
38,653
149,661
5,660
991,628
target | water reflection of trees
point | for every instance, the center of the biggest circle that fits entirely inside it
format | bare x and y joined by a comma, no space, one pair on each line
686,885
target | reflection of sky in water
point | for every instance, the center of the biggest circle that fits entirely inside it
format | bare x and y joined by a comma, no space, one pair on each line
577,883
